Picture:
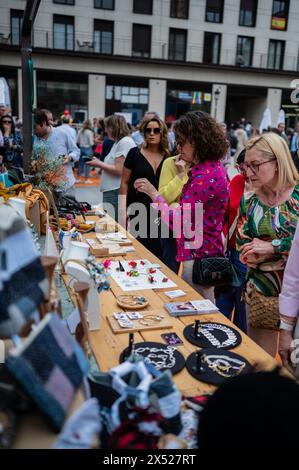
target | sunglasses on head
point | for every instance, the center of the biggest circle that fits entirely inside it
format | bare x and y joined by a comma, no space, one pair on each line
155,130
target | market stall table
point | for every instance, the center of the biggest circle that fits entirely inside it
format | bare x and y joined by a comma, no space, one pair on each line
107,346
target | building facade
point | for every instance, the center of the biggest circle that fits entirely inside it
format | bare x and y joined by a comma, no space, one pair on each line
232,58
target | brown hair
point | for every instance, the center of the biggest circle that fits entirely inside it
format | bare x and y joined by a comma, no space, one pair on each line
272,145
204,133
117,126
164,142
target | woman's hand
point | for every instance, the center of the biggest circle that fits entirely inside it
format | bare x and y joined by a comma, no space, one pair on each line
94,162
144,186
285,349
181,166
257,251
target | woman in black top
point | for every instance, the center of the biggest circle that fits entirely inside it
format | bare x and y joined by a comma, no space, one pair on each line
144,162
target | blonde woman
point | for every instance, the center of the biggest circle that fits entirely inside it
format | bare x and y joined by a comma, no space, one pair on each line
112,167
267,223
145,162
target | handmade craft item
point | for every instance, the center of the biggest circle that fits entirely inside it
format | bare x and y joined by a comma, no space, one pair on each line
161,356
216,335
125,322
135,302
82,330
139,274
214,366
50,366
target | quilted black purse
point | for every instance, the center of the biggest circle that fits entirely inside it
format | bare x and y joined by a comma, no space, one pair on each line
214,270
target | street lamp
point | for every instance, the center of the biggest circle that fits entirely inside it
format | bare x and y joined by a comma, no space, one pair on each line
217,93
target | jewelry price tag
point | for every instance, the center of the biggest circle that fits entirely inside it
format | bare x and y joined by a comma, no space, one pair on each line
134,315
120,316
125,324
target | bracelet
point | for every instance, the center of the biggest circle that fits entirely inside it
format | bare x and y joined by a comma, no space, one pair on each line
148,320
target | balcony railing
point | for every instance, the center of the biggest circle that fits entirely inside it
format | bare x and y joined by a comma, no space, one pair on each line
84,43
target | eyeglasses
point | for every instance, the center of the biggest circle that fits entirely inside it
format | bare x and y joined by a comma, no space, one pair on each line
7,122
155,130
254,167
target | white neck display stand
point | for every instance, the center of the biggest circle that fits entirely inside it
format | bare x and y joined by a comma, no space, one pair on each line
79,251
19,205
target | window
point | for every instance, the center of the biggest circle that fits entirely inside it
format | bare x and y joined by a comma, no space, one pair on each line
179,9
275,54
104,4
142,38
214,11
63,32
212,47
144,7
248,9
244,51
177,44
65,2
280,13
16,17
103,36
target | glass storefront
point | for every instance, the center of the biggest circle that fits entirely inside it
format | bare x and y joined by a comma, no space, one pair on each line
182,98
129,96
58,93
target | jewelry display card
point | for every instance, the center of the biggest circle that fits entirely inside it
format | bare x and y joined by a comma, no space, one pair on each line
150,320
139,274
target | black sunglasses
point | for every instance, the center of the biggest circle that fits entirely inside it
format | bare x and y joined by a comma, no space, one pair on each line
155,130
7,122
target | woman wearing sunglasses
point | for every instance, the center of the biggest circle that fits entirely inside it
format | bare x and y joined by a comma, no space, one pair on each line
12,142
266,227
145,162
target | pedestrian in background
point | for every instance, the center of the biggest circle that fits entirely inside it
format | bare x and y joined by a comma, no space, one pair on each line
85,141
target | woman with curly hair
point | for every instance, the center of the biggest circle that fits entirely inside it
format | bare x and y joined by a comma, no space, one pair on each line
145,162
202,144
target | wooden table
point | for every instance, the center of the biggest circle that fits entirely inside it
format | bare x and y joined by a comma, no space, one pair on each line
33,432
107,346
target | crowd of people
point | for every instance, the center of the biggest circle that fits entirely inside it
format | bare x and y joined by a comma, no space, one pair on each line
250,219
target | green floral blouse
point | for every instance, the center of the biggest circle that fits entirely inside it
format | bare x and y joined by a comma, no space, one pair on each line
256,220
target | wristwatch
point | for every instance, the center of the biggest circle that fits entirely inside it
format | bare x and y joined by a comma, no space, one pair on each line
283,325
276,245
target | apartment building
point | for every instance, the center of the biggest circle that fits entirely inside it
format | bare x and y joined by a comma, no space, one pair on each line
232,58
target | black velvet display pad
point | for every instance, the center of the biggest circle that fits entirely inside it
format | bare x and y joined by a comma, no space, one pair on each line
226,365
161,356
216,335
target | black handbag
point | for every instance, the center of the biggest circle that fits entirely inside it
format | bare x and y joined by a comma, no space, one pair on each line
214,270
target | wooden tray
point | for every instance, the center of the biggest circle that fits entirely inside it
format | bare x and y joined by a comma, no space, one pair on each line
129,304
101,237
159,325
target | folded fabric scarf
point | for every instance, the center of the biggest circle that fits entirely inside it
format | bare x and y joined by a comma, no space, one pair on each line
51,366
23,284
